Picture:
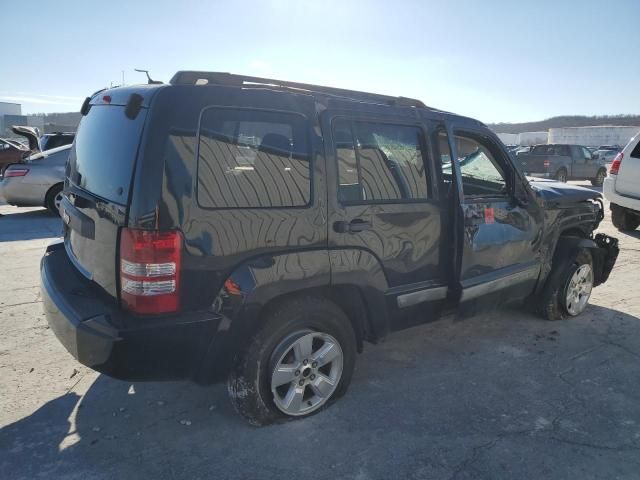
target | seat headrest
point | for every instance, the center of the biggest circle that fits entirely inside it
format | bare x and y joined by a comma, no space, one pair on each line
276,142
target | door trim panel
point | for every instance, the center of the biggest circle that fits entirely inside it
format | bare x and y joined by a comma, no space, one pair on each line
421,296
507,277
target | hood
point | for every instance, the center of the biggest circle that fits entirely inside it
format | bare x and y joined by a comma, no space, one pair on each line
30,133
561,193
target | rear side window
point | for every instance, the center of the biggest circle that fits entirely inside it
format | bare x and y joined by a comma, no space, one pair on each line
105,150
253,159
379,162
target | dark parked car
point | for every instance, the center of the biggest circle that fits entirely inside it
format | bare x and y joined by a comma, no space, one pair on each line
50,141
260,231
563,162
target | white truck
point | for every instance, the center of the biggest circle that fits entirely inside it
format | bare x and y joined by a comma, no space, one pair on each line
622,187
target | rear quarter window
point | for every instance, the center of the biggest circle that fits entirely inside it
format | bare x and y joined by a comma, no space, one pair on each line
253,159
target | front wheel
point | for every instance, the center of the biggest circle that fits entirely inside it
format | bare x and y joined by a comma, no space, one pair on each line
298,363
568,287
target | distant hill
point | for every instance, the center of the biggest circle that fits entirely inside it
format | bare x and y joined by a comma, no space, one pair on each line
566,121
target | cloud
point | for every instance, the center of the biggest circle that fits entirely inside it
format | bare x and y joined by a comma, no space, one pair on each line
40,99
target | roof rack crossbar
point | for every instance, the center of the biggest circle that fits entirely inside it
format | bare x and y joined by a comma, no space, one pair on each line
229,79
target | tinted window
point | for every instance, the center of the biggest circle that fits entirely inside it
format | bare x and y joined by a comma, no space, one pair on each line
105,150
636,151
379,162
481,173
250,158
54,141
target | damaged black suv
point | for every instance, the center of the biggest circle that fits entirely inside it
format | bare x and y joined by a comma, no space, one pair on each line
223,227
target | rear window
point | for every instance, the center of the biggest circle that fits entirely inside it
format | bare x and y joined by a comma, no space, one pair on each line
104,153
253,159
551,150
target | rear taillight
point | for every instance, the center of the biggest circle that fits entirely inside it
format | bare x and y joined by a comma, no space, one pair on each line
546,163
16,172
150,270
615,165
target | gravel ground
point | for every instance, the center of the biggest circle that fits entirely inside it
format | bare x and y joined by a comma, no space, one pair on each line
503,394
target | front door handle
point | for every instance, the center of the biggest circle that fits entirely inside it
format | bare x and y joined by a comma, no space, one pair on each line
354,226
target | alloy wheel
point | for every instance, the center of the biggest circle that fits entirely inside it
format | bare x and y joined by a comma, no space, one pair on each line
579,290
307,373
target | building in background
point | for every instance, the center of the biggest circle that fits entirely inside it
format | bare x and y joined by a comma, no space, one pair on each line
55,122
593,136
10,114
524,138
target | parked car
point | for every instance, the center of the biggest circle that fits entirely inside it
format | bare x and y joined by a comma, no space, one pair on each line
11,152
37,181
606,156
563,162
622,187
56,139
260,231
616,148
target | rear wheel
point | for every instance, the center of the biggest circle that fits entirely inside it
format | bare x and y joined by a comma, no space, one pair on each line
561,175
53,199
623,219
598,180
568,287
298,363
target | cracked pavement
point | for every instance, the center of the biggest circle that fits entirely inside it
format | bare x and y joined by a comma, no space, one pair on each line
503,394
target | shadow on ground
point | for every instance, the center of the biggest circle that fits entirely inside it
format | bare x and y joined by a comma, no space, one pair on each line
29,225
501,395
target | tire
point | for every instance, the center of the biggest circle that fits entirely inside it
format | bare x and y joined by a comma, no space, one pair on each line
561,175
252,382
52,199
598,180
624,220
555,303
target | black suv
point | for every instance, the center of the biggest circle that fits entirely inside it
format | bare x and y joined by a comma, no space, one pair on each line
55,140
259,231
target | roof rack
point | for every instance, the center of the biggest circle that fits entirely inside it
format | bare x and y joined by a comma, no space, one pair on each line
228,79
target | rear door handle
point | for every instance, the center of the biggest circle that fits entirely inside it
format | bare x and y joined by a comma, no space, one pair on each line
354,226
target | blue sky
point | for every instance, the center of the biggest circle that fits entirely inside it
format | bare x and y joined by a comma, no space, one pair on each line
493,60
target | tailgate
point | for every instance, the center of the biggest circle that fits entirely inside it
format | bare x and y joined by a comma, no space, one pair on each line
99,175
628,179
532,163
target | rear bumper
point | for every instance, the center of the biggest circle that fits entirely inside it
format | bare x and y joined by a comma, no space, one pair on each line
19,193
609,190
100,335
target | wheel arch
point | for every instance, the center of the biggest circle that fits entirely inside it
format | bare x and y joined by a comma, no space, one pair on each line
259,285
50,190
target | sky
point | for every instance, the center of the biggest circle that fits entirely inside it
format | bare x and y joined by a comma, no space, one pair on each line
497,61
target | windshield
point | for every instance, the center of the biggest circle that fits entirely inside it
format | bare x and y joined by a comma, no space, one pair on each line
103,155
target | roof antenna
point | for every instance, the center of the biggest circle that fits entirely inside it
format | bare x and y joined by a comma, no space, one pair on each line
149,81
